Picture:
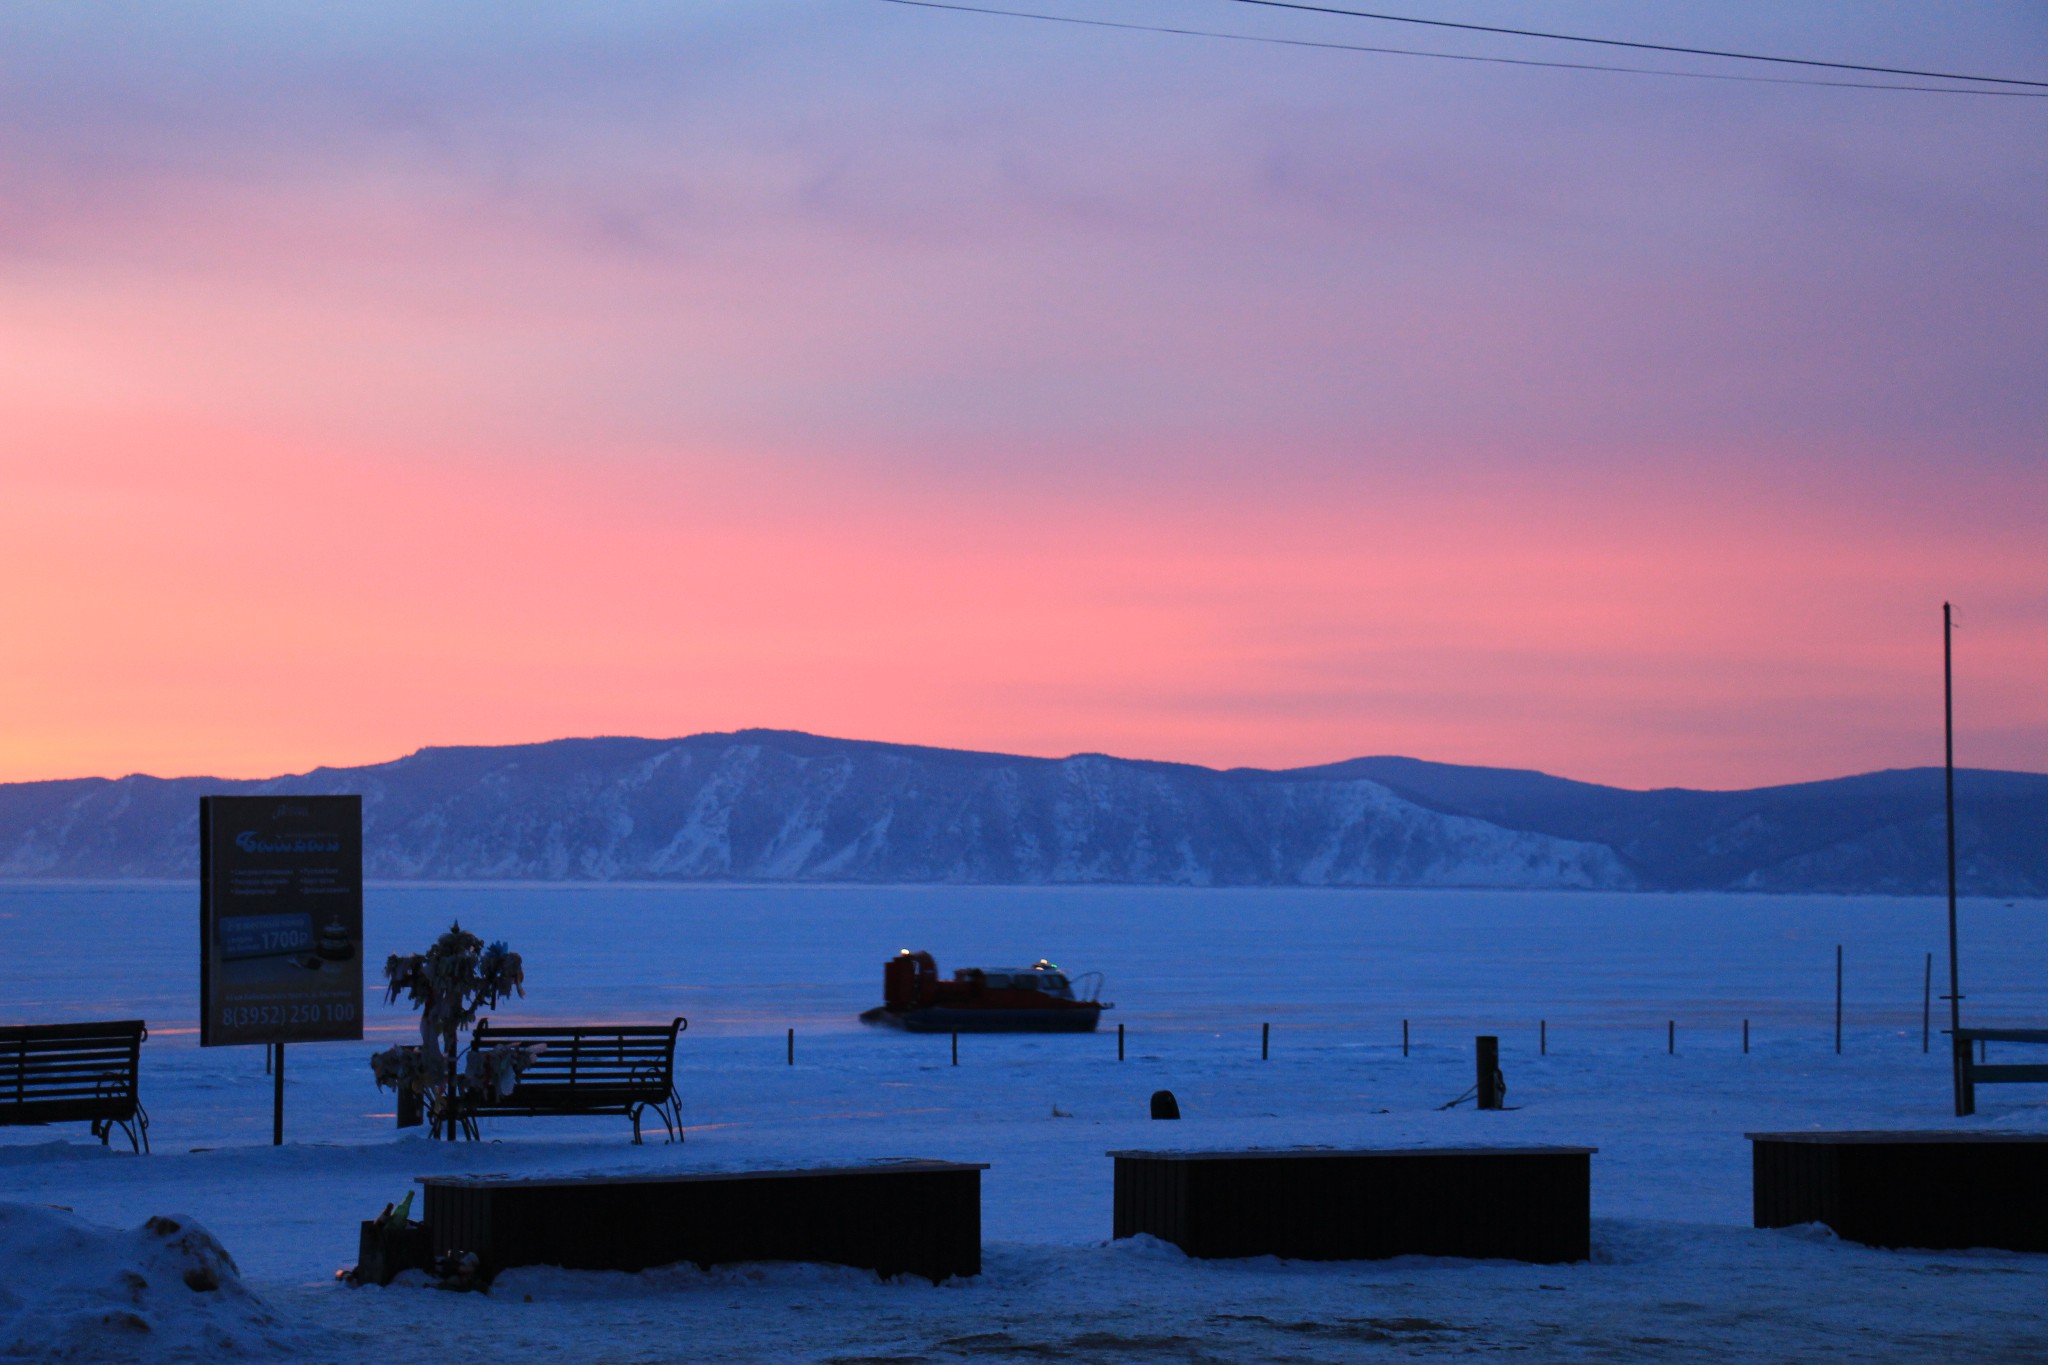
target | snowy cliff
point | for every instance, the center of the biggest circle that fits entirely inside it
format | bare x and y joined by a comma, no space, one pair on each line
772,805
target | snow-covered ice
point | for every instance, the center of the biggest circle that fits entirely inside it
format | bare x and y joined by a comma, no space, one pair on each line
1677,1274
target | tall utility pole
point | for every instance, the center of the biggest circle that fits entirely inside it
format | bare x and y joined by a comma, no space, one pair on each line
1959,1047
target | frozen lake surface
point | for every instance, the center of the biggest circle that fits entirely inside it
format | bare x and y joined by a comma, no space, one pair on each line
1678,1273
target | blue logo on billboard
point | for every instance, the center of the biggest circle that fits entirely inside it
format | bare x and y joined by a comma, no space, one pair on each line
254,841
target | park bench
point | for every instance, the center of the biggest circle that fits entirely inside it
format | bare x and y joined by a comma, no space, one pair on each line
626,1069
75,1073
1971,1073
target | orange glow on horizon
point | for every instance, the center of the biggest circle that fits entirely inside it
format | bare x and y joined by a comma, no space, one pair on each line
188,599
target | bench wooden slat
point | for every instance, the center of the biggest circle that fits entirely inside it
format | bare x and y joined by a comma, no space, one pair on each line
64,1061
113,1100
28,1038
599,1073
646,1085
121,1028
31,1054
104,1041
606,1044
68,1061
560,1092
97,1067
586,1041
120,1098
64,1085
117,1103
11,1074
34,1080
595,1044
564,1059
70,1111
37,1047
535,1105
29,1080
580,1030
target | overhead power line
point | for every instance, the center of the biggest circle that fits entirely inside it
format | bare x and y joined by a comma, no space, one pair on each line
1459,56
1644,47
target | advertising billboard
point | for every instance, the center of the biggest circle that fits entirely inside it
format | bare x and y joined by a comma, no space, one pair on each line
280,919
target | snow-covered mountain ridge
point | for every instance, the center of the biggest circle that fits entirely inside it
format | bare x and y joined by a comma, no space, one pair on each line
781,806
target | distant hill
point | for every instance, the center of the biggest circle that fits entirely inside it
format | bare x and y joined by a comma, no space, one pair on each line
767,805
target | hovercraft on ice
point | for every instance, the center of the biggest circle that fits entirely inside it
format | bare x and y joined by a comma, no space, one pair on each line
1036,999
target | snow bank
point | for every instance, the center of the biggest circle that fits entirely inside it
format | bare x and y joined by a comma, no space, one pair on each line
550,1283
73,1290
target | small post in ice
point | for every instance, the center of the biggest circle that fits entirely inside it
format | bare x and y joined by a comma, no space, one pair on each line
1927,1006
1838,999
1491,1089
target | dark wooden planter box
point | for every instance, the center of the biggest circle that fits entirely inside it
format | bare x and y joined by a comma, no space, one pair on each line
1518,1203
896,1218
384,1249
1906,1189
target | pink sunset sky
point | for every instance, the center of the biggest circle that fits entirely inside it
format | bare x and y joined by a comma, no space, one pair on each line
374,376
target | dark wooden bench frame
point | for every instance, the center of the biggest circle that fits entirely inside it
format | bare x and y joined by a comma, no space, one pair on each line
1971,1073
75,1073
627,1069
